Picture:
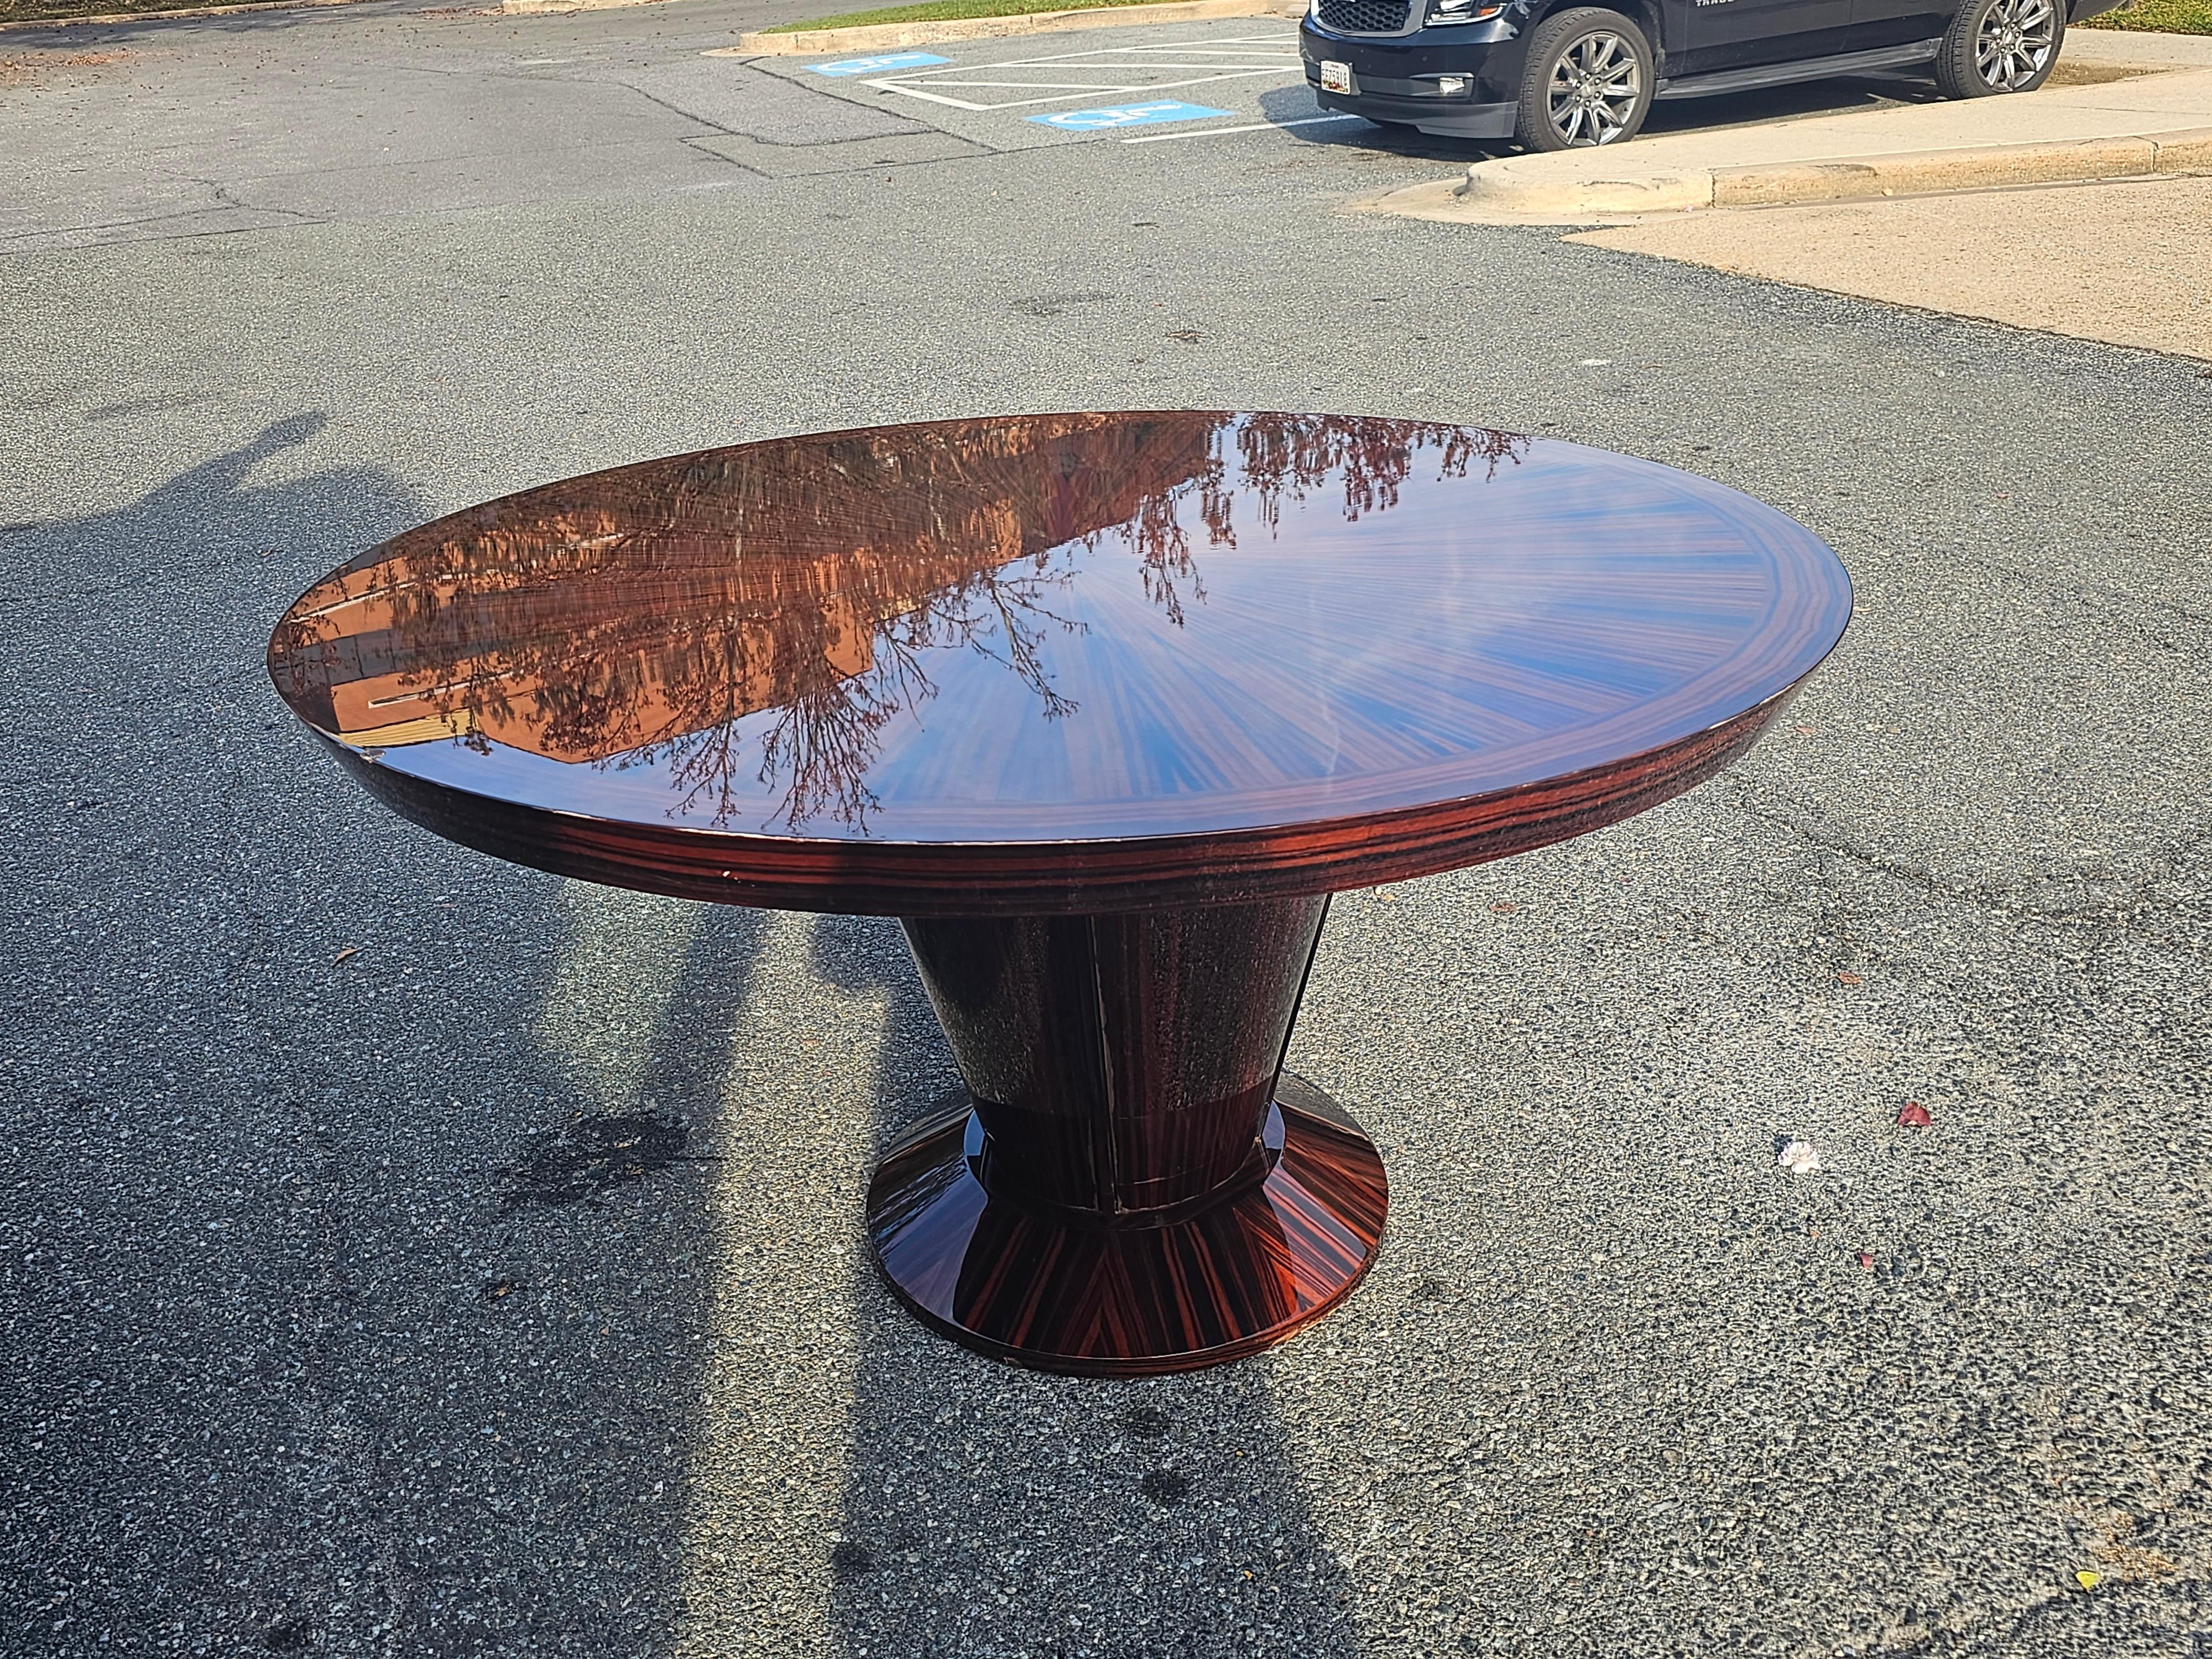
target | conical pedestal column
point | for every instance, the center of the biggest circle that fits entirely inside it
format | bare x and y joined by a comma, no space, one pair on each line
1134,1184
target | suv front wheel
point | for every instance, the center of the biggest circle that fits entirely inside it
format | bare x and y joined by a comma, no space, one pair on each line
1999,45
1588,82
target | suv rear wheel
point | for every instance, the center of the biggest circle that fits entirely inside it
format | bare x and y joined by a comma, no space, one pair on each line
1999,45
1588,82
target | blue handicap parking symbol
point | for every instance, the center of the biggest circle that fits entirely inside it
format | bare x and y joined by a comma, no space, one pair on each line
896,60
1128,115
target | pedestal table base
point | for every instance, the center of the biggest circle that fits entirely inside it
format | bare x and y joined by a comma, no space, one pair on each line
1132,1184
1064,1294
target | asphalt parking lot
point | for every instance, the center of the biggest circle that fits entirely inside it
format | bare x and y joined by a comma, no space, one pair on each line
410,1254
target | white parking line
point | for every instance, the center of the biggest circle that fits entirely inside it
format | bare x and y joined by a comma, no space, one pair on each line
1257,126
934,97
1236,59
1092,89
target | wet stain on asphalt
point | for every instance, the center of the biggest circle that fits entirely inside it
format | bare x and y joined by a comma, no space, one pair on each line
1165,1487
1145,1422
593,1156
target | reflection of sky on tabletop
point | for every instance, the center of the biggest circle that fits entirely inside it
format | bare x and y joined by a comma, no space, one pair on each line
1559,609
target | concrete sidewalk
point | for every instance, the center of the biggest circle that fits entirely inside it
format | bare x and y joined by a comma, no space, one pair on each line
2122,261
2158,121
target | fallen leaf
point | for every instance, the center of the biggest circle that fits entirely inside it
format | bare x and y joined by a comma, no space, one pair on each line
1798,1157
1504,906
1846,977
1913,1116
351,950
1866,1261
2088,1580
1187,336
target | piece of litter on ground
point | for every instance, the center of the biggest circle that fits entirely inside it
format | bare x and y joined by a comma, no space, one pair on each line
350,950
1798,1157
1913,1116
2088,1580
1504,906
1866,1260
1597,362
1846,977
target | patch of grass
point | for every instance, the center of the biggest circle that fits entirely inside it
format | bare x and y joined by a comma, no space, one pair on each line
2158,16
937,11
40,12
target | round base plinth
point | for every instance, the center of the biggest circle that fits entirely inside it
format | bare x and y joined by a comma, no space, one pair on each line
1040,1288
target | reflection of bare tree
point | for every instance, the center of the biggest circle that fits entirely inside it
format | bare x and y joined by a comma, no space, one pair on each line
823,740
1281,454
640,616
1163,546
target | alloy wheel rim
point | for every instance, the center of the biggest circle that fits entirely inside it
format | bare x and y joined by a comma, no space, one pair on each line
2015,42
1595,88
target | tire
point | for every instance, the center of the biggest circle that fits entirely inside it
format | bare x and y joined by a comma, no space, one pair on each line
1589,81
2000,45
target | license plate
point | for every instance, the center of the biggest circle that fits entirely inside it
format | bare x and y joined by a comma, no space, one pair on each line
1336,77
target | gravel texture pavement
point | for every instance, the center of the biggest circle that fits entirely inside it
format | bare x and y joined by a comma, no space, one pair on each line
407,1254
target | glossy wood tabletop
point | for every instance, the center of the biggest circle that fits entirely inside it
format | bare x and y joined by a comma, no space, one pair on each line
1063,663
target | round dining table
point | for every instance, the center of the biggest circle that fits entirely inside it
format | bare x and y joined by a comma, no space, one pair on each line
1103,707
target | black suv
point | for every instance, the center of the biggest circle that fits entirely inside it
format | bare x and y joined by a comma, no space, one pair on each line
1556,75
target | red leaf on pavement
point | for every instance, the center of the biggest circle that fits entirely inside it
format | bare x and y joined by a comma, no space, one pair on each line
1505,907
1847,977
1914,1117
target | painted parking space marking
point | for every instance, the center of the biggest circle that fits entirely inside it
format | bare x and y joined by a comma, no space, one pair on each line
1257,126
1128,115
1110,72
1116,94
896,60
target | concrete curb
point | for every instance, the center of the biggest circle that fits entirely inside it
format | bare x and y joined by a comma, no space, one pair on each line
2139,47
1491,187
876,36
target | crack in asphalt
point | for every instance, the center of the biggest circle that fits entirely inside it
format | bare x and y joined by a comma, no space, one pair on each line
2100,598
1999,898
27,236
